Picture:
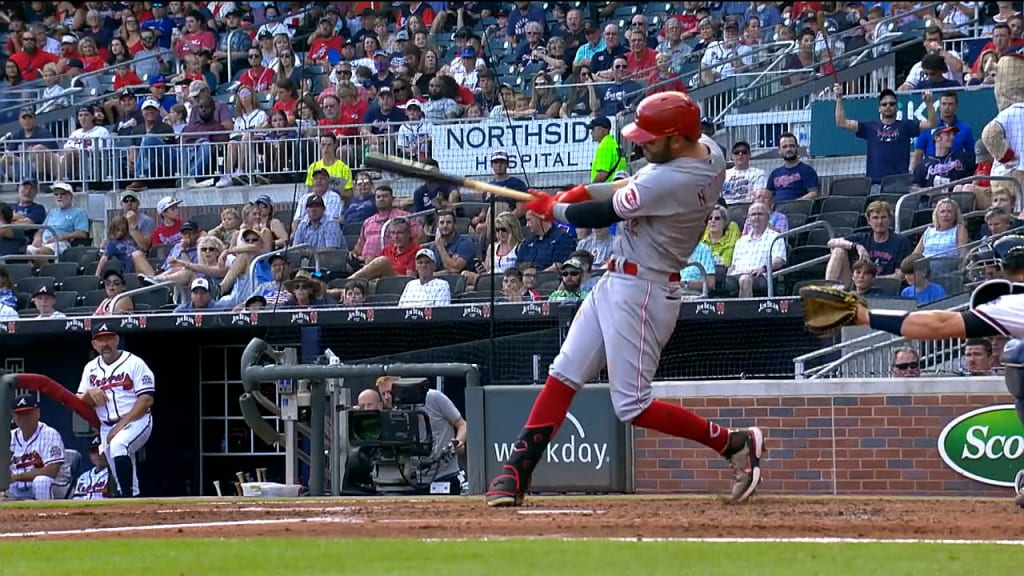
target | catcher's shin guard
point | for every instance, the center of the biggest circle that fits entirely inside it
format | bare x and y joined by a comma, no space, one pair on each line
509,487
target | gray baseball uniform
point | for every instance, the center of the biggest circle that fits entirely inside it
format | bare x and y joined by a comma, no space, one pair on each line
634,307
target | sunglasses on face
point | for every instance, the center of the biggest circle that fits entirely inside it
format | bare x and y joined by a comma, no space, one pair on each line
715,219
302,286
740,152
502,229
251,240
147,38
888,104
254,55
620,67
570,273
907,365
208,249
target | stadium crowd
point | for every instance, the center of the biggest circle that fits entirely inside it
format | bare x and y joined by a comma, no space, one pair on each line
189,95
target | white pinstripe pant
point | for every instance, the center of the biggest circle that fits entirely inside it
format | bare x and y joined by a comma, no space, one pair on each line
127,442
39,488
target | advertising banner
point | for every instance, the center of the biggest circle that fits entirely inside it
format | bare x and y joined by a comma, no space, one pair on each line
533,146
986,445
977,108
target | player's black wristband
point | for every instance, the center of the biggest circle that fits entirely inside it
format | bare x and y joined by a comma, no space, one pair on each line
592,214
891,322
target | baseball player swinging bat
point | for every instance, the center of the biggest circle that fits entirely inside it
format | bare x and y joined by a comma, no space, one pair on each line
425,172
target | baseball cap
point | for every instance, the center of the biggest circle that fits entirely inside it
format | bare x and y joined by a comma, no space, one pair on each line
600,122
384,90
166,203
944,129
250,232
75,63
467,52
412,103
499,155
573,263
426,252
196,87
43,290
934,62
403,35
30,182
27,111
588,26
102,329
264,199
158,80
367,12
200,283
621,175
68,39
95,443
314,200
112,272
322,171
380,52
325,20
189,226
62,187
150,104
255,298
265,34
24,403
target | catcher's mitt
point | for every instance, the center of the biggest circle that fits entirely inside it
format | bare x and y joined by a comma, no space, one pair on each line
828,309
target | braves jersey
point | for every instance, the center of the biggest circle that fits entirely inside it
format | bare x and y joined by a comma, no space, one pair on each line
122,381
1012,121
44,447
665,207
937,171
1004,314
92,485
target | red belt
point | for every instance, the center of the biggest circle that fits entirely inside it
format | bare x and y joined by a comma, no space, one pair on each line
631,269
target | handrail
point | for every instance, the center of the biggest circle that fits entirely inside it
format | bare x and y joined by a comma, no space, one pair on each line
916,194
703,278
142,289
787,234
230,35
754,83
285,250
800,361
25,227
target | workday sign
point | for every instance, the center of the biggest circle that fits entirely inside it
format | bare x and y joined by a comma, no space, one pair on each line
533,146
589,453
986,445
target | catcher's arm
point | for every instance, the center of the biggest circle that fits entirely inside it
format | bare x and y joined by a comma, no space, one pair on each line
929,324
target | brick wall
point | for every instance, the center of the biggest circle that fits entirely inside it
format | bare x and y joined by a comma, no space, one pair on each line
876,444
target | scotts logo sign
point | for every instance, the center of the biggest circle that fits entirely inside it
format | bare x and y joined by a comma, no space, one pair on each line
986,445
573,450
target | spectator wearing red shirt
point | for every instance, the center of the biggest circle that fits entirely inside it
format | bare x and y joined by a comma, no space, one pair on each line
168,231
30,59
92,57
688,18
323,42
800,9
196,36
1001,41
257,77
124,77
398,257
287,96
640,58
352,109
664,79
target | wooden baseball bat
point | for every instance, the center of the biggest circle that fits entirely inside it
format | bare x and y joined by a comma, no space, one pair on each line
828,47
261,474
425,172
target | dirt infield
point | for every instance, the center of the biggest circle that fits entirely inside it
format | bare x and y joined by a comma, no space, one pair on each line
467,517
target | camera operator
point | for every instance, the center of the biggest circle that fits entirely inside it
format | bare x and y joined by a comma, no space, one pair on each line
359,467
370,399
449,435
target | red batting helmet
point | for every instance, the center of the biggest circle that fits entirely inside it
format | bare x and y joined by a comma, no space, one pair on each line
664,114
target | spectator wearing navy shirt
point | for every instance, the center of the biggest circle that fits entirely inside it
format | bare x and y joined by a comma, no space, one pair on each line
547,245
363,203
601,62
888,138
382,121
618,96
452,251
431,194
27,211
794,180
963,139
944,166
499,167
524,13
934,69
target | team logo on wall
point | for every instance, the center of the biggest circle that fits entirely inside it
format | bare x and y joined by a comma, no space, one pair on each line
78,325
133,322
474,311
769,307
304,317
360,315
707,308
985,445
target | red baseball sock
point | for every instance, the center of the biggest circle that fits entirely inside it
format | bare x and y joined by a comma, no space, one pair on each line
551,405
680,422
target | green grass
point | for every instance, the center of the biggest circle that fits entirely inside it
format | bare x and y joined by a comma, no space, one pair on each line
250,557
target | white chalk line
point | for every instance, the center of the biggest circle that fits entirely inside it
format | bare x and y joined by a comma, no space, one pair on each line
733,540
184,526
576,512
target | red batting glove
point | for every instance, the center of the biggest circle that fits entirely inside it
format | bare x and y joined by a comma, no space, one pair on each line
542,204
573,195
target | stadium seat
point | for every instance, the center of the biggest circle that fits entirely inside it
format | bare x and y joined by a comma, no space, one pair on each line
738,212
841,219
80,284
80,311
921,218
23,299
334,260
896,184
152,298
77,253
59,270
111,264
850,186
840,204
18,270
382,299
548,277
889,286
93,298
391,285
206,222
484,281
796,220
160,251
964,199
352,228
32,283
819,237
65,299
790,207
456,282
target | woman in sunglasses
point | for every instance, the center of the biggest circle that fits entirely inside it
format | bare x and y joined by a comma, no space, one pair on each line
721,235
509,236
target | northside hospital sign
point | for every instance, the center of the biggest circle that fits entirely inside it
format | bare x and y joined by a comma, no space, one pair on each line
533,146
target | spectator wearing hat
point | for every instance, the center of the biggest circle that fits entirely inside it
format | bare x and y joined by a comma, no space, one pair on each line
425,290
501,177
158,93
265,45
39,470
322,41
936,59
114,284
944,166
118,246
367,21
168,230
93,483
317,230
306,291
32,152
27,210
574,272
152,59
722,58
234,41
528,52
274,24
44,299
466,70
64,223
200,298
195,37
608,158
414,135
184,249
160,24
593,45
963,140
272,290
321,188
383,121
221,114
382,76
151,153
742,180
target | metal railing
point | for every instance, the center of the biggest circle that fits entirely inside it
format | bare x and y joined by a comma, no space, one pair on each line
31,227
941,189
304,249
770,274
141,290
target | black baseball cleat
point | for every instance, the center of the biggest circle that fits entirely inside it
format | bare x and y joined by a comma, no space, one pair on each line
744,455
509,487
